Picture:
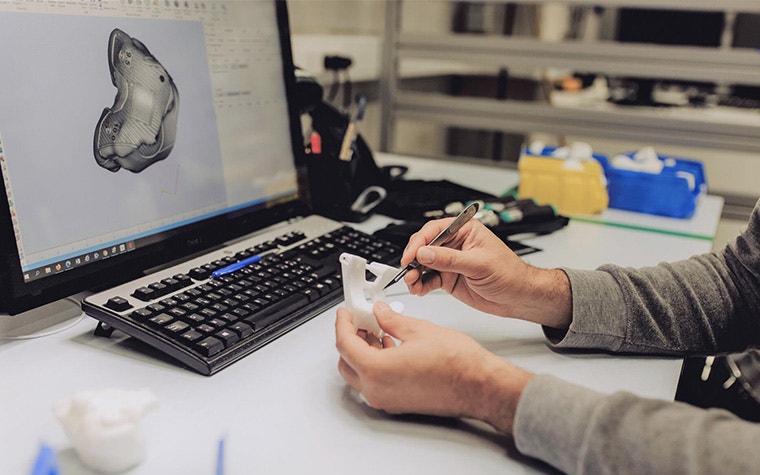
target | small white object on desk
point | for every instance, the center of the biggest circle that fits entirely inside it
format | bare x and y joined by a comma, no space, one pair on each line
104,426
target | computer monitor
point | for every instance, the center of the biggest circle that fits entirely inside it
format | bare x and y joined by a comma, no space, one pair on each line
137,132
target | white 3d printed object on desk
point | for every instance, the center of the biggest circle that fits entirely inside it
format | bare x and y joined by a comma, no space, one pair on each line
104,426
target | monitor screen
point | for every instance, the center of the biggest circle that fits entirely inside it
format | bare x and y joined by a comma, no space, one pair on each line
134,131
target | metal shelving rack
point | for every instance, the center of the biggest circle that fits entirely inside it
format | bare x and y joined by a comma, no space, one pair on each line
699,128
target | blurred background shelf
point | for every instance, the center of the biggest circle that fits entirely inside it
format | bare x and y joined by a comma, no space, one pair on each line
520,47
472,81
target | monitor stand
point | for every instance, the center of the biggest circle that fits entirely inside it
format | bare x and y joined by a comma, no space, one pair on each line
40,319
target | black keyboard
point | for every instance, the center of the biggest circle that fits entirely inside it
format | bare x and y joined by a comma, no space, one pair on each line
207,322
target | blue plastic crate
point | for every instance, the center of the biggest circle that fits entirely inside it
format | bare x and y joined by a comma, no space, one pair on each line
673,192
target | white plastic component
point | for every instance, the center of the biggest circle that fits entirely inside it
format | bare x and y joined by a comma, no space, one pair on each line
536,147
644,160
574,155
361,294
689,177
576,151
104,426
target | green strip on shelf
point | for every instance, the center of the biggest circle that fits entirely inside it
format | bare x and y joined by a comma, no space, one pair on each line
644,228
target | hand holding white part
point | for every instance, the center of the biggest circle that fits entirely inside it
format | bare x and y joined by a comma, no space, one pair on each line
360,294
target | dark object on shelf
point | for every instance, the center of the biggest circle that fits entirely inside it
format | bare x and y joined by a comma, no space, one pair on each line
664,27
670,27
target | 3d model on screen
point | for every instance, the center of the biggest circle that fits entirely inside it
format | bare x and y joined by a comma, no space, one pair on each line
140,128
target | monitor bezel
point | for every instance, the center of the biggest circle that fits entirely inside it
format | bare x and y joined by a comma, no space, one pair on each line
18,295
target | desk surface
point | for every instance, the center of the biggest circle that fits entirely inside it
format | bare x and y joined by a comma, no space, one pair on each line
285,409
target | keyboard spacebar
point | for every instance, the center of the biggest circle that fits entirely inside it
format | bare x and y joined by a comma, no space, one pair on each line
277,310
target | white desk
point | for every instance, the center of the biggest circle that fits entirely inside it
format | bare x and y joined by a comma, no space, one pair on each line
285,408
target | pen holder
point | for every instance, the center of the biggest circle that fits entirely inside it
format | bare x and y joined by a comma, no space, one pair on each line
346,190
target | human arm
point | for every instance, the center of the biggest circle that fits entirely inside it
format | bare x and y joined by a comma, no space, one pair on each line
435,370
704,304
582,431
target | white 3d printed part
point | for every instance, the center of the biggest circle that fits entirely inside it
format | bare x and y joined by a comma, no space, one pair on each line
361,294
104,426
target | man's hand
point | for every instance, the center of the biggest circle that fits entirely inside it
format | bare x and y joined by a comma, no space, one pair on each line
480,270
433,370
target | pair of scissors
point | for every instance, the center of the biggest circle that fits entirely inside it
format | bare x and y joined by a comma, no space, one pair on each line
442,238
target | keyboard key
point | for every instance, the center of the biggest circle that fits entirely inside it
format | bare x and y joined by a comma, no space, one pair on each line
177,312
194,318
183,280
159,289
242,329
141,314
311,294
276,311
228,337
325,271
156,307
191,335
144,293
171,283
321,288
118,304
193,293
168,303
190,306
209,313
229,317
181,298
176,327
199,273
210,346
161,319
241,312
331,283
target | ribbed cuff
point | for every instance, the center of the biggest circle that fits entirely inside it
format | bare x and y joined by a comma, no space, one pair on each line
598,313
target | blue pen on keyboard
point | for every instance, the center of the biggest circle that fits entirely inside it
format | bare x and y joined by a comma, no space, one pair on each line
236,266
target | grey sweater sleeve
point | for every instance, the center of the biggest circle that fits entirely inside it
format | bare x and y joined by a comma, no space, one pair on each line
704,304
581,431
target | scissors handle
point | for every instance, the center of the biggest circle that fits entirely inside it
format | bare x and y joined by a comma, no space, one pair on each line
442,238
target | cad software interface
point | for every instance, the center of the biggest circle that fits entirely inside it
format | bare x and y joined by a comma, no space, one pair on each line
123,119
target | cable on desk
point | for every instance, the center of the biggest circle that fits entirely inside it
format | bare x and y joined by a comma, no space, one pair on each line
32,336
